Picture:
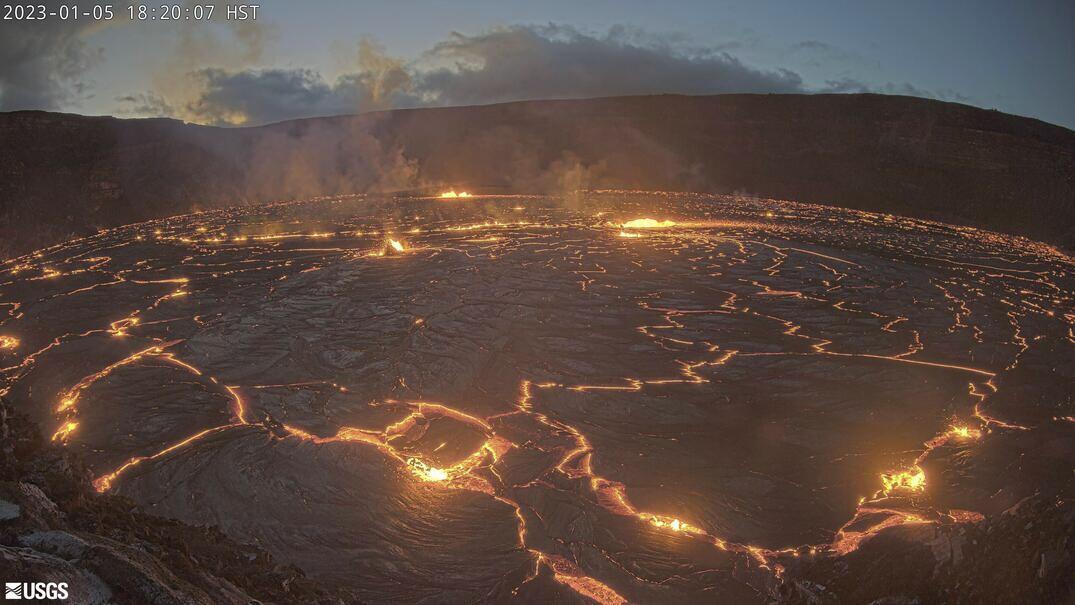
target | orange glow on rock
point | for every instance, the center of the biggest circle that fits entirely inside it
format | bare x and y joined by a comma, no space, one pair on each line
909,480
425,472
451,194
65,431
648,223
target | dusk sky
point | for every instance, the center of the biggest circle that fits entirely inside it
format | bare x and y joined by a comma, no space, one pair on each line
332,57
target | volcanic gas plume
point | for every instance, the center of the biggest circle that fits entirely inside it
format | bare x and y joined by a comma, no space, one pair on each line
645,397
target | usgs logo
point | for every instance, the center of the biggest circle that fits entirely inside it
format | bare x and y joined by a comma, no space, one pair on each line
35,590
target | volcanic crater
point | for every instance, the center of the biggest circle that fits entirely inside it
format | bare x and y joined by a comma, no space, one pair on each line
611,396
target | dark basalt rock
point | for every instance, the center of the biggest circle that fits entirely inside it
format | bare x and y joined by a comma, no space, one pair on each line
1021,556
55,528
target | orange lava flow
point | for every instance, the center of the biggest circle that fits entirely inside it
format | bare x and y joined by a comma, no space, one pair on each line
648,223
465,475
104,482
573,455
848,540
460,475
70,398
569,574
912,479
64,431
453,195
909,481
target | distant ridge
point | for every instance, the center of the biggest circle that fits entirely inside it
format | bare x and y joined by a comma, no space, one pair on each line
63,175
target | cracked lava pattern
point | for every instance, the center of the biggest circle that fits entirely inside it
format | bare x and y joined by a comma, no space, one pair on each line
535,398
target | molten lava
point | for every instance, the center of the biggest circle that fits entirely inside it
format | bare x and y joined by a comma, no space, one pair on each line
648,223
671,523
64,431
909,480
425,472
391,246
451,194
618,352
964,432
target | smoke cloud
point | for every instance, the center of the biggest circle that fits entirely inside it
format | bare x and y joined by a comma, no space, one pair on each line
42,67
556,61
504,64
259,96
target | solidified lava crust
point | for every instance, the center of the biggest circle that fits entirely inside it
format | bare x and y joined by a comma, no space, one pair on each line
538,398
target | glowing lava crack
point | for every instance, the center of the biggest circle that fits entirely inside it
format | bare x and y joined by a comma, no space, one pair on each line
492,401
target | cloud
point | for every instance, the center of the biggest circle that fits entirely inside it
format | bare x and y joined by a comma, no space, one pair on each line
556,61
259,96
42,63
503,64
272,95
146,105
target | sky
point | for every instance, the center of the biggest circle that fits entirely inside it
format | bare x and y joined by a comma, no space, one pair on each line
300,59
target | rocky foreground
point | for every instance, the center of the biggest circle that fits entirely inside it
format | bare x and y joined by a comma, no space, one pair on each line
54,527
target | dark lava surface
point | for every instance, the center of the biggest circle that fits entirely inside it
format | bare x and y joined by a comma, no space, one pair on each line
530,401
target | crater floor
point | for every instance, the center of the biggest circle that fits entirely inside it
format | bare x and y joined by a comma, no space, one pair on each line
489,398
